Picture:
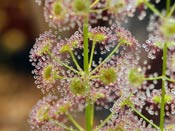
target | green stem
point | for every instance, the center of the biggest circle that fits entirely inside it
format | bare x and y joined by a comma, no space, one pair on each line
92,54
170,127
89,106
162,106
85,41
62,63
75,61
94,76
171,11
108,57
104,122
152,8
141,115
89,112
94,3
97,10
74,122
153,78
168,2
170,80
61,125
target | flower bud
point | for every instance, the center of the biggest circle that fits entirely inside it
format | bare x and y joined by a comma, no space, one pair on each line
49,75
77,86
81,6
57,8
108,75
135,77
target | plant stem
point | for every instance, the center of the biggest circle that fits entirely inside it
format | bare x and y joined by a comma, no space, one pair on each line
141,115
74,122
92,54
171,11
85,41
170,127
61,125
104,122
94,3
162,107
97,10
153,78
89,112
168,2
152,8
62,63
75,61
170,80
95,76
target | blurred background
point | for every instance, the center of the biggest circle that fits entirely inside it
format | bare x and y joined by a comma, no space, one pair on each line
21,22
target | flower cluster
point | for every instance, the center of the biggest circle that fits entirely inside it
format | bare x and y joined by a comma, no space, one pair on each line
66,14
101,66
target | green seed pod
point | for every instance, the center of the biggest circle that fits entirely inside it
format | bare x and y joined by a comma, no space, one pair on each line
108,75
57,8
81,6
49,74
77,86
135,77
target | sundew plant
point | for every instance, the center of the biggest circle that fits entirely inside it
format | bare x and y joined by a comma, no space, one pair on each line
101,67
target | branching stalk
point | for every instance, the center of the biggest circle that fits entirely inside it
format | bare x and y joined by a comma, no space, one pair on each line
168,2
62,63
92,53
171,11
153,78
94,3
104,121
75,61
141,115
74,122
108,57
152,8
62,125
